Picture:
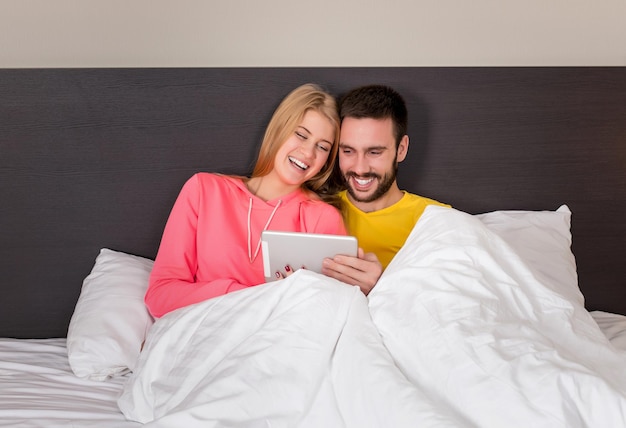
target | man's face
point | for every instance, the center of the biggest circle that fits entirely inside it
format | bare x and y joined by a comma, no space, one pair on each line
368,158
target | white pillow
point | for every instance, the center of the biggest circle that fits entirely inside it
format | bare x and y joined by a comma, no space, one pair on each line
110,320
543,240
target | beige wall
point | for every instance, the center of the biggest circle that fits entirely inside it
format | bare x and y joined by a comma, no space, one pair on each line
158,33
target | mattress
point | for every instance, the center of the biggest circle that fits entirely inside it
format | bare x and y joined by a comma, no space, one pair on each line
613,326
39,390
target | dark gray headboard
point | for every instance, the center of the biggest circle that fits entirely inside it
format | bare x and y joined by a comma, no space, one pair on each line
93,158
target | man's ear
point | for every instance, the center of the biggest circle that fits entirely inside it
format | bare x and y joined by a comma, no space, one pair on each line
403,149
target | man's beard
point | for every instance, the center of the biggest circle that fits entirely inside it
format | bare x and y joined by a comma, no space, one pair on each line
384,184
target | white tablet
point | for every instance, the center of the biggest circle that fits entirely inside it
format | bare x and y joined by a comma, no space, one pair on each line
298,249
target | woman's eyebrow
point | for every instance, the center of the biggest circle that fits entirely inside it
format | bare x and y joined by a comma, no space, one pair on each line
303,127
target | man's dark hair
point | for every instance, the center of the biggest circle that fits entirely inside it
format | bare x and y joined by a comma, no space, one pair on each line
376,102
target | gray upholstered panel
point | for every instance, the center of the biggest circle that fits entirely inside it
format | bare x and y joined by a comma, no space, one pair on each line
93,158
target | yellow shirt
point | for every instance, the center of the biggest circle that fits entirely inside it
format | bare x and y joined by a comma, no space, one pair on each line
385,231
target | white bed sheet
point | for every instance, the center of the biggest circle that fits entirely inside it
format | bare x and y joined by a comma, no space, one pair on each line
39,390
479,341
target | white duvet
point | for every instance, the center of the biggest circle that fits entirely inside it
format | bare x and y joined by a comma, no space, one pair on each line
457,333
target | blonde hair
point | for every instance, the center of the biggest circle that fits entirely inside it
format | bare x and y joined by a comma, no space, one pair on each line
287,117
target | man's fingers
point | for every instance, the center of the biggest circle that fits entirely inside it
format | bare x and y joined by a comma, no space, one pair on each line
342,272
348,261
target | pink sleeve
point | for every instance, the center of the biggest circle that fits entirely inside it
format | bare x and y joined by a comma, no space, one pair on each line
172,281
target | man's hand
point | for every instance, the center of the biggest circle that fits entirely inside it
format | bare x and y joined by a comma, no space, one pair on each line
363,270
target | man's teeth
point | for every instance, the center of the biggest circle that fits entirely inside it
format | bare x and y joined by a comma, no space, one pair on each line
363,182
299,164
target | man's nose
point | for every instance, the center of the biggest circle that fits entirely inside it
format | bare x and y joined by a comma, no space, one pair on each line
360,165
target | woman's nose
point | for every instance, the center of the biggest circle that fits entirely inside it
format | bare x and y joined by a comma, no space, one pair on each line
308,149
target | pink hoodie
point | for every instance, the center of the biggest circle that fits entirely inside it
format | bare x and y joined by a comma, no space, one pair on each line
207,249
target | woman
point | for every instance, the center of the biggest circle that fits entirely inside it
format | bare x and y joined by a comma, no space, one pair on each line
212,239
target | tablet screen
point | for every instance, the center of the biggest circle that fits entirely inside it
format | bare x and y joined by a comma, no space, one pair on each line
298,249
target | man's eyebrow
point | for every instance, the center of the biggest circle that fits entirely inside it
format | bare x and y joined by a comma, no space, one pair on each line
348,146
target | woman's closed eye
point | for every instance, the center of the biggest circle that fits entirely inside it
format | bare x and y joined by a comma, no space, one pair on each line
325,147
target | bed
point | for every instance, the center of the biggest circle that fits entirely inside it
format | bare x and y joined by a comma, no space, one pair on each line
507,310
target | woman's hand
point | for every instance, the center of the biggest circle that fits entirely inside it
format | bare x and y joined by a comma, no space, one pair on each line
288,271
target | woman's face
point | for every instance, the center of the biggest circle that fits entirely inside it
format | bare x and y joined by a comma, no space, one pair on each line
306,151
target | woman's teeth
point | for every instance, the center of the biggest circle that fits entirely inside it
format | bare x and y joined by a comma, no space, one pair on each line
298,163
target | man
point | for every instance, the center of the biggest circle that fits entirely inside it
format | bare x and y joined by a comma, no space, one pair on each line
373,142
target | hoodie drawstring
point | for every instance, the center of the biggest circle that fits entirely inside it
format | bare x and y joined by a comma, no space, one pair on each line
258,246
